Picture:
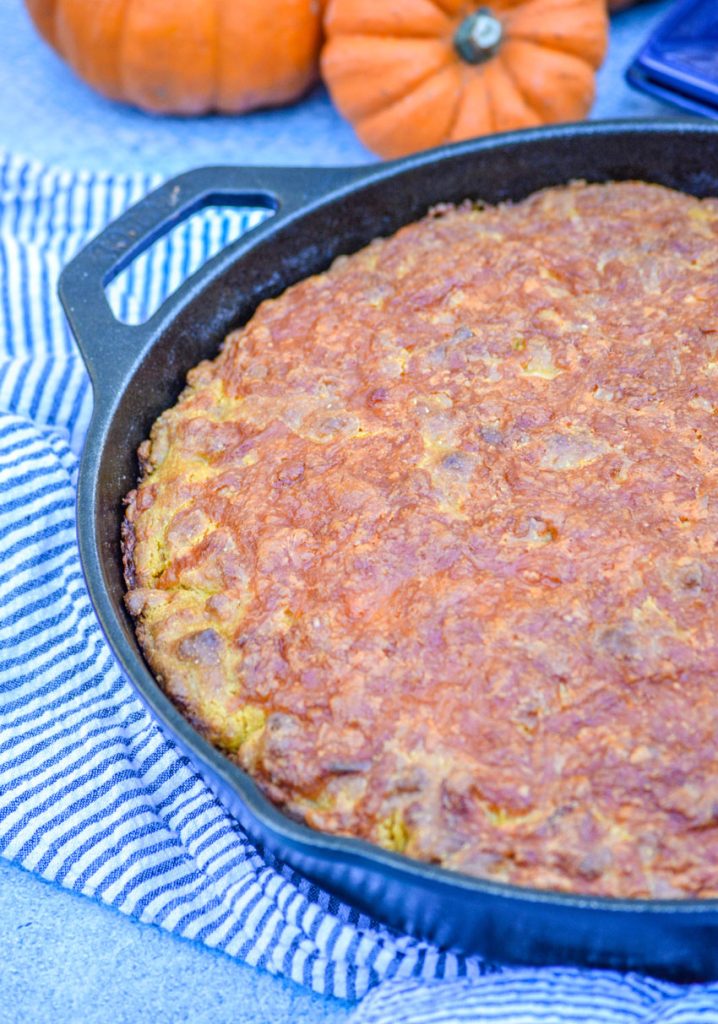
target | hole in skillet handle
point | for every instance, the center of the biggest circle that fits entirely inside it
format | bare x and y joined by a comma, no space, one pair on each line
158,267
110,348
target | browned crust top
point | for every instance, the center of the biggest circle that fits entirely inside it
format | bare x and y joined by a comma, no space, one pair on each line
430,548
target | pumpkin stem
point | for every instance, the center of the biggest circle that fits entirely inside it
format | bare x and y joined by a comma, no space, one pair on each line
479,36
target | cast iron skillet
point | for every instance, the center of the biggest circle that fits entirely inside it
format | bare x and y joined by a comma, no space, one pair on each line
139,371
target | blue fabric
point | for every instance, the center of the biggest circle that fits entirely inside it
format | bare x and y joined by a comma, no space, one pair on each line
556,996
92,794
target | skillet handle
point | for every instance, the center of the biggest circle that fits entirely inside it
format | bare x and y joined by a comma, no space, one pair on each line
108,346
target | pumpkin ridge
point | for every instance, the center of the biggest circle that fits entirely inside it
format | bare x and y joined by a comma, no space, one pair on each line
120,49
446,8
367,126
503,85
474,81
551,49
491,106
392,38
55,28
390,35
216,69
416,84
521,24
44,16
506,65
517,38
62,17
574,76
465,72
380,102
399,17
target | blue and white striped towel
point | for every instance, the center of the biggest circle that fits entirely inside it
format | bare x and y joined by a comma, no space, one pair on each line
92,794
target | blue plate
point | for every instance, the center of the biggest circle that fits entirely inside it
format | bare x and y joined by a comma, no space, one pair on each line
679,63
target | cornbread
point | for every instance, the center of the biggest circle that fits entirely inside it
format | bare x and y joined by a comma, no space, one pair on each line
430,548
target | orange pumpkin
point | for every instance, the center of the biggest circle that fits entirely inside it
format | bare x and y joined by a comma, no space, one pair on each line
187,56
410,74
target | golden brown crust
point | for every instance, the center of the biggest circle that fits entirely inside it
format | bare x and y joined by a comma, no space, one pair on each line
430,548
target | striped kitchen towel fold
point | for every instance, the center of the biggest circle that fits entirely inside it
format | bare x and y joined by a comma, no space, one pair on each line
93,795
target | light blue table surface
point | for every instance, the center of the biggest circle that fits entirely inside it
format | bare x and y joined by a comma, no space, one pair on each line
65,959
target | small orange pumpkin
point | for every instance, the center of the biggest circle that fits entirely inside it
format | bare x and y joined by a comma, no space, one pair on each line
411,74
187,56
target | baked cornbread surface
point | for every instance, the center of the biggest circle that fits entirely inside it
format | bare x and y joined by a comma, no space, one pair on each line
430,548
